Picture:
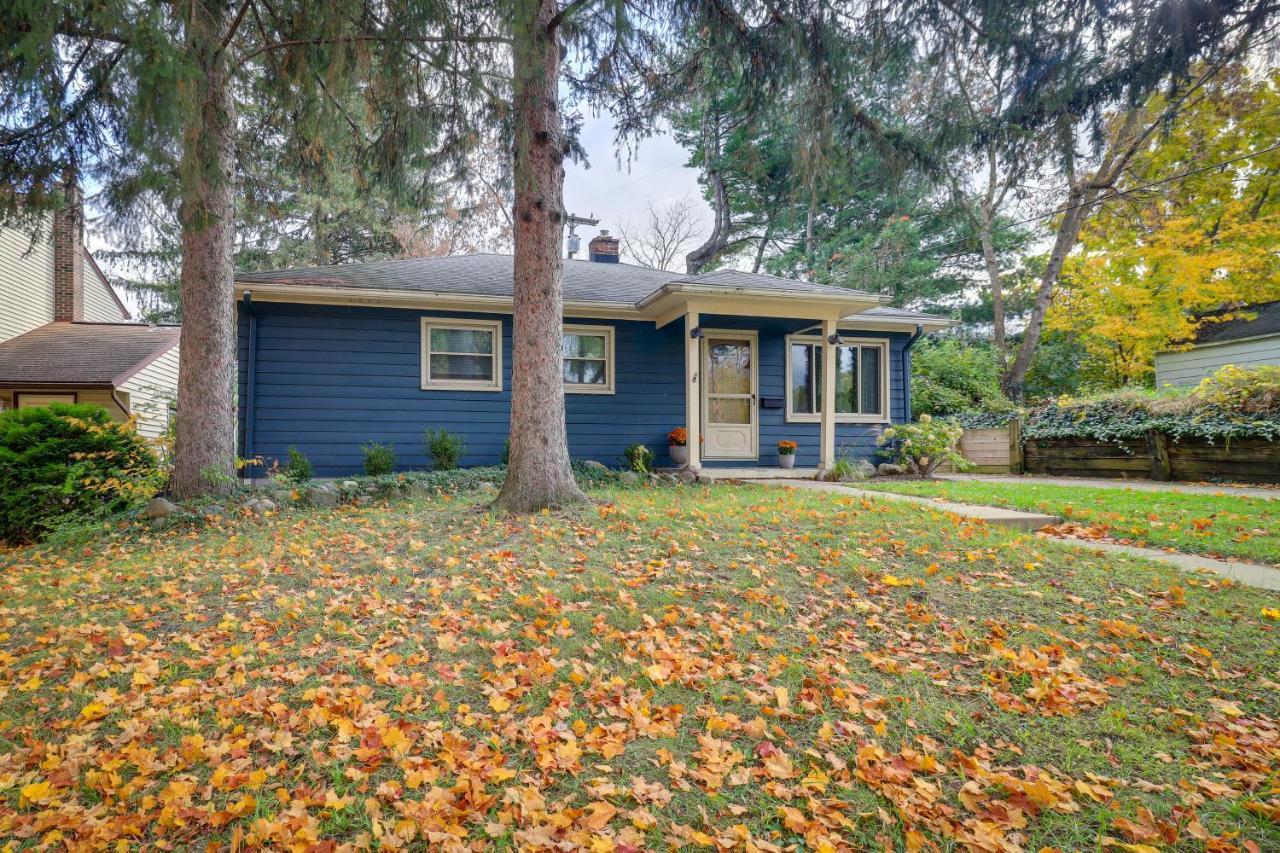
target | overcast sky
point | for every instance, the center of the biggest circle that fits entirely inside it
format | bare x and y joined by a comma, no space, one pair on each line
617,191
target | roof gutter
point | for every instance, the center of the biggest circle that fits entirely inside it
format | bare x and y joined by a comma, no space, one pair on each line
906,372
251,375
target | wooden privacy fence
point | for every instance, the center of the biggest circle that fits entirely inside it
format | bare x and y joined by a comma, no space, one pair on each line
1156,457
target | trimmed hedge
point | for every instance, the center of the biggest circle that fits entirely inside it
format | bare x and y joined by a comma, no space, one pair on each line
63,463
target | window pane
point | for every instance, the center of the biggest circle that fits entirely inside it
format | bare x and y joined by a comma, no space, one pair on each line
583,346
870,381
846,380
729,411
474,368
446,339
729,366
802,379
584,372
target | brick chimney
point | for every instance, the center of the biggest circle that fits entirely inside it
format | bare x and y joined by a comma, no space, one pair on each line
68,257
603,249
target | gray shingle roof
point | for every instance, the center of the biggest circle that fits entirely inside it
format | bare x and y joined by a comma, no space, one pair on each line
85,354
491,275
1266,322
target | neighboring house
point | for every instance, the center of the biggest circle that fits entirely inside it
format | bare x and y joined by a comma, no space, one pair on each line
65,335
1244,342
334,357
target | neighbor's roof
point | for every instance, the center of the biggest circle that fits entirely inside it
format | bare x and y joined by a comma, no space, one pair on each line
85,355
492,275
1266,322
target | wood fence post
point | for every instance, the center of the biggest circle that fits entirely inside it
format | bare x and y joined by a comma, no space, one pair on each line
1016,465
1158,449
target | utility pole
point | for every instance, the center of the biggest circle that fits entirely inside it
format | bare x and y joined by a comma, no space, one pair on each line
575,244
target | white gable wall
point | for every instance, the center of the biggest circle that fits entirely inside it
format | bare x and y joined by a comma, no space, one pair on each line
1190,366
150,392
99,304
26,282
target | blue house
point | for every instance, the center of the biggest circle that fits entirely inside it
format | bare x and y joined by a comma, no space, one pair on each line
333,357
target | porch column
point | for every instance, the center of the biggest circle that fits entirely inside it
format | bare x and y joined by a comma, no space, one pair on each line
692,390
827,455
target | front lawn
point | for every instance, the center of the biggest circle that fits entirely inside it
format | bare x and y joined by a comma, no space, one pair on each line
1219,524
727,667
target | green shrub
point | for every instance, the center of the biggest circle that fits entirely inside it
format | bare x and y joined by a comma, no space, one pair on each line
639,458
444,448
66,464
1232,403
924,445
297,469
379,459
954,376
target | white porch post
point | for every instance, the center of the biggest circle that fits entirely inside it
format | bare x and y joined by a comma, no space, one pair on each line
827,456
692,390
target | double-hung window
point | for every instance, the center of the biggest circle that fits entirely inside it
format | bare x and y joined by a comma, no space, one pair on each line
587,353
862,380
461,354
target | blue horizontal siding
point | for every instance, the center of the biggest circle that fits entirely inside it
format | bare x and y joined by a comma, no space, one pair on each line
330,379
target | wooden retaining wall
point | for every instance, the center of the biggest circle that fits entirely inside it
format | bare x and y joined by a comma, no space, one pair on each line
1155,457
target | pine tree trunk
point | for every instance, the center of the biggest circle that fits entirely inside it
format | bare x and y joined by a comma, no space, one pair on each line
539,474
205,447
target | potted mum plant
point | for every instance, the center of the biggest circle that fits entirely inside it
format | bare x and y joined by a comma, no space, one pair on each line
786,454
678,446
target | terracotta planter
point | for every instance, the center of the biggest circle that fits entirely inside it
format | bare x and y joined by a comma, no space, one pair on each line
786,460
679,454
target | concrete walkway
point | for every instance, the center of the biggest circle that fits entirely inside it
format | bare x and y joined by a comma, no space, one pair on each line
1250,574
998,516
1136,485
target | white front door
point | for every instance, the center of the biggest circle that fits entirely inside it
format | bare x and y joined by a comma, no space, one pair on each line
729,428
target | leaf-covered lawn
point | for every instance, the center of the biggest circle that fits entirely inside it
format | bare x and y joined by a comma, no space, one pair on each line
735,668
1219,524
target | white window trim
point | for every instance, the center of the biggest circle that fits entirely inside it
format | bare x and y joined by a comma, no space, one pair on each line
429,384
841,417
610,361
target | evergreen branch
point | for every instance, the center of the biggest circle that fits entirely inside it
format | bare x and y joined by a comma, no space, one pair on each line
319,40
568,9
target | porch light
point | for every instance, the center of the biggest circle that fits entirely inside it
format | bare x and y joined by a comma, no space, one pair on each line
834,339
695,332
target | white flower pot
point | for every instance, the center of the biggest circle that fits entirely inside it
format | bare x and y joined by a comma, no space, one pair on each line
786,460
679,454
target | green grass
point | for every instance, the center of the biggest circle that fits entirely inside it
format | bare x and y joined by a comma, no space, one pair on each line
1219,524
627,673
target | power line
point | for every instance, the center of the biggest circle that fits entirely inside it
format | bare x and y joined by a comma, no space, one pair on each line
1103,199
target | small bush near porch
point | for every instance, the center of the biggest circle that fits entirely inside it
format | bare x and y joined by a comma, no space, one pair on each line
732,668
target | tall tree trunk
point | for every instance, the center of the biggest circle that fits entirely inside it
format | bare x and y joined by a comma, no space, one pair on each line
539,474
205,448
995,284
1079,203
697,260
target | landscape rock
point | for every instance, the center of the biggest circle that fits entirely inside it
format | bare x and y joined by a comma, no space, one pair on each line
418,489
260,506
323,497
861,470
214,511
629,478
685,475
889,469
161,508
599,466
703,479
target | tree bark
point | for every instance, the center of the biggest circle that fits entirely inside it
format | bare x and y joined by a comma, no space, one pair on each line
697,260
204,453
539,474
1079,203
